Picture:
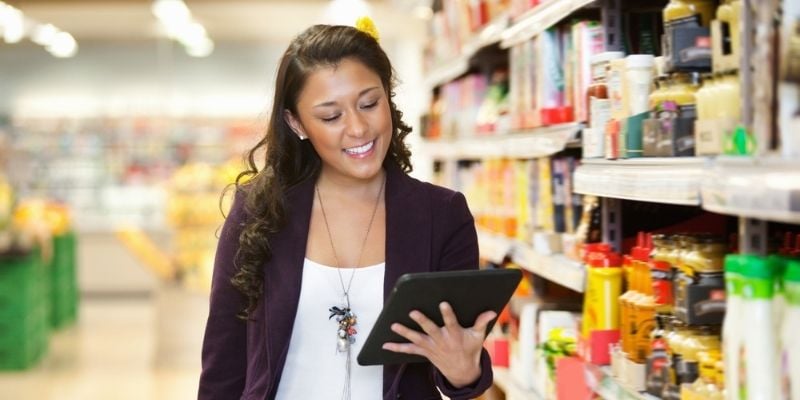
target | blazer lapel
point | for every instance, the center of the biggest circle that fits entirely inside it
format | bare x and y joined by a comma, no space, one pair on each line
408,244
283,276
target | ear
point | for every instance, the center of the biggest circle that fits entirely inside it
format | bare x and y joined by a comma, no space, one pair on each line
295,124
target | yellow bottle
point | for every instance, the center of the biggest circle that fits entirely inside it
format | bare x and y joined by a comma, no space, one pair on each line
680,9
603,289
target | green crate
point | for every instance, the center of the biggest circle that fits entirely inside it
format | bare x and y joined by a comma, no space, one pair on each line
24,285
64,306
23,340
64,292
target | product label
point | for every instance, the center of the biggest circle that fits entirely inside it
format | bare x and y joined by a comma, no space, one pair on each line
690,21
600,111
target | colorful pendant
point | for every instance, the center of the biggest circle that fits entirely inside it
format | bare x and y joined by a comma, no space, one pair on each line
346,331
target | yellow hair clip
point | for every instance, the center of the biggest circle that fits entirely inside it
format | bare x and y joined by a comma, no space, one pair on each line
366,25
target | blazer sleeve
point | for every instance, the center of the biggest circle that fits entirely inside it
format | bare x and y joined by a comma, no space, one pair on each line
460,251
224,356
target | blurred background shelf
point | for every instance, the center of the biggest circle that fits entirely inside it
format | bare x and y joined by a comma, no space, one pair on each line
528,143
658,180
762,188
556,268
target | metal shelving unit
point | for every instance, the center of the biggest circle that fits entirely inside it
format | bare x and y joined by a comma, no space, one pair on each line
528,143
659,180
539,19
757,188
556,268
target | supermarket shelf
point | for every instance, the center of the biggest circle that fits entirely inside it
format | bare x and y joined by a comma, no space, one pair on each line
530,143
505,381
452,69
609,387
658,180
494,248
555,268
767,188
539,19
448,71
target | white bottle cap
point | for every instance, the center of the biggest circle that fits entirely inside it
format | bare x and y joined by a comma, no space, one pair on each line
639,61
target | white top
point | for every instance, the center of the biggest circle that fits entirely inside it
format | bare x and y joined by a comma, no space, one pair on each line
314,370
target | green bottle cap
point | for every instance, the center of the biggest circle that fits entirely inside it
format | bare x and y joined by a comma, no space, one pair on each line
791,278
733,263
778,264
756,267
792,273
757,278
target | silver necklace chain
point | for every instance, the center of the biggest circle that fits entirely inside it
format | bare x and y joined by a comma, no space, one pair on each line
363,243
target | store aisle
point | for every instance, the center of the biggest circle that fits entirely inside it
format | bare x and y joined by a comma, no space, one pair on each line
120,349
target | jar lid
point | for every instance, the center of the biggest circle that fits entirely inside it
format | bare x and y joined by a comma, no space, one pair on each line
606,56
639,61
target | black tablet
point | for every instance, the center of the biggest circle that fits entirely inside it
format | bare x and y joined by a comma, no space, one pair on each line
469,293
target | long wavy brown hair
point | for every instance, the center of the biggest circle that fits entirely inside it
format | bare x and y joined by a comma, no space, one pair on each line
289,160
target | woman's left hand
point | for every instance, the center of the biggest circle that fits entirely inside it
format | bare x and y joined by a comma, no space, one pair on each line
453,350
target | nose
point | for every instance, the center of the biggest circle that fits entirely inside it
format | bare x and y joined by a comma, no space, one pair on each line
356,124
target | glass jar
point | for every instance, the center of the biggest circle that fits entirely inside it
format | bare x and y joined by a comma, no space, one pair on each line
707,254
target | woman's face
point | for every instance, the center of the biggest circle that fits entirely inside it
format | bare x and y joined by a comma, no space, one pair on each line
344,112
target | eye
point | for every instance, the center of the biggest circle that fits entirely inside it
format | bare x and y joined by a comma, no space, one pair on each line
370,105
330,119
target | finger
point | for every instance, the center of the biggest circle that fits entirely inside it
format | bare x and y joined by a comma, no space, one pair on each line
410,334
449,316
426,324
408,348
483,322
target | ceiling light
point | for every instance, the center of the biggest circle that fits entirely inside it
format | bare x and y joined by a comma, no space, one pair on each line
13,23
44,34
171,11
63,45
345,12
179,25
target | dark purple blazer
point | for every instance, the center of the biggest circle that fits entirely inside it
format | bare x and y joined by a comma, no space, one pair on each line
428,228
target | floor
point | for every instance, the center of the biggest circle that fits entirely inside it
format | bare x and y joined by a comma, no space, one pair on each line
140,348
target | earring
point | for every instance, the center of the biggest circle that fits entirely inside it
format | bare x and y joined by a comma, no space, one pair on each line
302,137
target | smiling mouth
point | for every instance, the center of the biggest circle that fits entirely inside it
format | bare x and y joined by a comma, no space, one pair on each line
360,149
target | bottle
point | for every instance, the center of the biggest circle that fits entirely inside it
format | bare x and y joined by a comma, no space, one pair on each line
790,346
732,332
601,305
639,71
681,10
598,89
760,364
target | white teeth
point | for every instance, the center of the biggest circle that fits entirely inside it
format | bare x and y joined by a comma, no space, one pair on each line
361,149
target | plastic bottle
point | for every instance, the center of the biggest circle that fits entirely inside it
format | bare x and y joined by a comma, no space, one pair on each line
790,346
639,71
603,289
760,363
731,330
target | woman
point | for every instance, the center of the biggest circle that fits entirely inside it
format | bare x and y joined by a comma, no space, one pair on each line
315,242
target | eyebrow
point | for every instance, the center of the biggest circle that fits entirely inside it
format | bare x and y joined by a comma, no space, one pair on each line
333,103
